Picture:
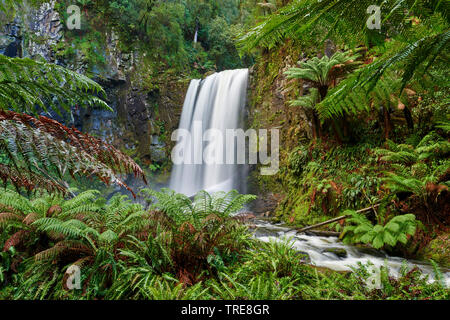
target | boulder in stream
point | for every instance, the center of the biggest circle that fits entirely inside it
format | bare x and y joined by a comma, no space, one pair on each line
340,252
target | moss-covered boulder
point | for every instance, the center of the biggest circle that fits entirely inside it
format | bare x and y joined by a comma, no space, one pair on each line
439,250
339,252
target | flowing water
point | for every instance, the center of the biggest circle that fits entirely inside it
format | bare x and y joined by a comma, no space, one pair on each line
218,102
329,252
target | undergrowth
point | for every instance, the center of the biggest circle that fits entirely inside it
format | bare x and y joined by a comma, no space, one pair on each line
177,248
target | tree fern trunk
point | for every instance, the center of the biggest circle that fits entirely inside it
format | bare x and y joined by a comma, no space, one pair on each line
387,123
317,132
337,131
408,117
323,91
345,127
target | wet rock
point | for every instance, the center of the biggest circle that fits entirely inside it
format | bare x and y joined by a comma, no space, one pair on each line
371,252
263,232
141,117
13,49
340,252
330,48
265,205
305,258
245,217
322,233
11,39
158,152
44,24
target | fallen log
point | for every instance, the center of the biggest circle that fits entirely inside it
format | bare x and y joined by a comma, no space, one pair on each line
323,233
336,219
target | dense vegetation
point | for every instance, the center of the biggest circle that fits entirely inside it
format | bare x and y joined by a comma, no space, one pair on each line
377,102
377,137
179,38
174,249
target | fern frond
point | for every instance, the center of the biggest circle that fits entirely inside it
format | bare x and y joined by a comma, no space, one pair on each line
395,230
44,147
25,84
343,19
324,70
71,228
444,125
16,239
9,218
309,101
183,210
16,201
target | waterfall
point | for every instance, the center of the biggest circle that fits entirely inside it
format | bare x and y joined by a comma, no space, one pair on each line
217,102
196,36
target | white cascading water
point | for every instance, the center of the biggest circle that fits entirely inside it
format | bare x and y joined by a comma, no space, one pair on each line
320,251
218,102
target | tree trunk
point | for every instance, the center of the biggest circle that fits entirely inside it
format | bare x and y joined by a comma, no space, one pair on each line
408,117
387,122
345,125
323,91
316,125
337,131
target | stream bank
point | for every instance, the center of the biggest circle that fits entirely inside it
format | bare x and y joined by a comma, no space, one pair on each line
331,253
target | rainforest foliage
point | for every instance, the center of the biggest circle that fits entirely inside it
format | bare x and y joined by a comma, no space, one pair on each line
367,126
179,38
376,101
175,248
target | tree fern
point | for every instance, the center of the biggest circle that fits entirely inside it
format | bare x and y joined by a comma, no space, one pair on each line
395,230
420,171
351,97
432,146
403,154
19,214
309,101
374,81
43,147
348,18
182,209
26,84
343,18
322,72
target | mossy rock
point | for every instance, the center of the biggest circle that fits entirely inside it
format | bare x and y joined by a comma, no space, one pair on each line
340,252
305,258
439,250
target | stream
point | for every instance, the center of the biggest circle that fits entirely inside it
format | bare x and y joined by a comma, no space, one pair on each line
331,253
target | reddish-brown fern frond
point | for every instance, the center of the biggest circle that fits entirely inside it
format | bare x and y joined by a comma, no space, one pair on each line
30,218
50,254
5,208
28,180
16,239
54,210
63,247
6,217
44,146
102,151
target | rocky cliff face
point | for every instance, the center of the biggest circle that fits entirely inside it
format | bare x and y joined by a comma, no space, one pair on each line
141,117
269,96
